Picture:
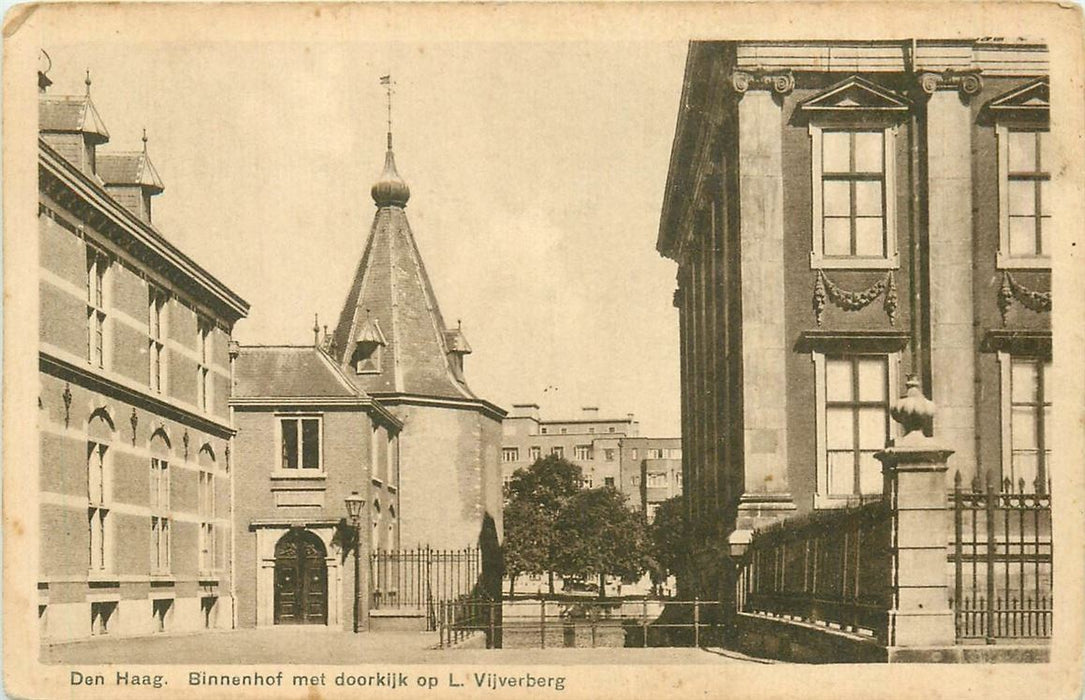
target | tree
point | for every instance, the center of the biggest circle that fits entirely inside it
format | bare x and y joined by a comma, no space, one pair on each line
533,500
597,534
668,535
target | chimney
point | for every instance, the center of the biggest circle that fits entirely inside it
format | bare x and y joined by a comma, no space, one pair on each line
525,410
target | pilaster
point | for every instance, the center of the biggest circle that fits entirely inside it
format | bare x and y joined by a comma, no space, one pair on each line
764,341
949,206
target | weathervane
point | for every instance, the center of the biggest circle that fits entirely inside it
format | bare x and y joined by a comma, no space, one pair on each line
389,86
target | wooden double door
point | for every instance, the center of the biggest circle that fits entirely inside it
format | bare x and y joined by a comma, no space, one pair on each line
301,579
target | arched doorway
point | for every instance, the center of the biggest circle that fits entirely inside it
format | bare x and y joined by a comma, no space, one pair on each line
301,579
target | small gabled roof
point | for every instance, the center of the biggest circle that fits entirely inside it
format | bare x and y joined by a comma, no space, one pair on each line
370,332
130,168
71,114
456,341
289,372
1030,100
855,94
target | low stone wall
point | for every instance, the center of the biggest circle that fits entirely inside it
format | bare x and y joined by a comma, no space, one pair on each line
800,642
568,634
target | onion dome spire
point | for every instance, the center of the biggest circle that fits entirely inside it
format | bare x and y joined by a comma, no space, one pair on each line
390,190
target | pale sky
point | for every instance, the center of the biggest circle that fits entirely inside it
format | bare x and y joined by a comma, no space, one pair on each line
536,171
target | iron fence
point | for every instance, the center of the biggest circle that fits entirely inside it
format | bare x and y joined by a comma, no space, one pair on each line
1002,560
549,623
422,578
830,568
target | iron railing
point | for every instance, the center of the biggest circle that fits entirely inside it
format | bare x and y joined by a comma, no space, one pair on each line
422,578
550,623
830,568
1002,560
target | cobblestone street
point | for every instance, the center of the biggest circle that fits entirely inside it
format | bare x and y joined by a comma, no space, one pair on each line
318,646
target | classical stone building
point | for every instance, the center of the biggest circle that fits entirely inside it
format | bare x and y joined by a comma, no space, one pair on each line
307,438
844,215
135,468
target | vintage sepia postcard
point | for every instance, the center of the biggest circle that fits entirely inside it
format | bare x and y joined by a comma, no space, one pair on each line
543,350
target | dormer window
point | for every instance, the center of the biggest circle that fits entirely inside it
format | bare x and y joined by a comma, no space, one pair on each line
368,348
852,144
367,358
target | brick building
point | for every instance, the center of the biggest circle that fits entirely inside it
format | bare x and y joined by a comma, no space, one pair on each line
307,438
135,470
844,215
609,451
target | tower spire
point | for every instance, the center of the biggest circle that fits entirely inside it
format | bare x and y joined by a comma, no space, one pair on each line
390,189
86,82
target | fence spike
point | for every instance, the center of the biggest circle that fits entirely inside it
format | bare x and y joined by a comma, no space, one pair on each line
957,479
1007,485
976,482
1021,485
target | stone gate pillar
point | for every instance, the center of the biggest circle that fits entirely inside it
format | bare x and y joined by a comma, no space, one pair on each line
915,486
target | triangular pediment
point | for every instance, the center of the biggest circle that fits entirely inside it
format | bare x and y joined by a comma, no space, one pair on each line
1029,100
854,96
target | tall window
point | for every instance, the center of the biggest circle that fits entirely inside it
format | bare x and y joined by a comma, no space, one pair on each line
97,266
156,306
557,451
1030,419
510,454
853,188
1028,210
582,452
535,452
98,497
207,516
856,423
853,198
299,443
160,521
203,342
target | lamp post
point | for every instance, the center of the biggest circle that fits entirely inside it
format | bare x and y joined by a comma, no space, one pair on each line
354,513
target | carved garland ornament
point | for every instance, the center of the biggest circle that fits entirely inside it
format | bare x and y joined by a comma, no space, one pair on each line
825,290
780,82
1011,291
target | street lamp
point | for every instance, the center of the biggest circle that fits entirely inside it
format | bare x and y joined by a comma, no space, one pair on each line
354,513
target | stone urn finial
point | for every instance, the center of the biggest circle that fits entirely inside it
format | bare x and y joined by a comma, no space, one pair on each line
914,411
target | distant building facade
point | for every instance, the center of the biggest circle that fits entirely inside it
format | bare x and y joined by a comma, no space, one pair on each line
307,438
135,436
609,451
844,215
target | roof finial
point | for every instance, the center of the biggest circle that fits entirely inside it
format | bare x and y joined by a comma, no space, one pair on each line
389,86
316,330
144,140
86,81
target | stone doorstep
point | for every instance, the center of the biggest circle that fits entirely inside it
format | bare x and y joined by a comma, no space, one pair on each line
972,654
398,612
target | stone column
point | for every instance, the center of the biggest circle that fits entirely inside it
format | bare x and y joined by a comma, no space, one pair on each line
949,205
915,484
765,493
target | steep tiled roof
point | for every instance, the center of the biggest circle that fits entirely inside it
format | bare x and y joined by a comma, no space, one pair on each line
288,372
70,113
392,289
132,168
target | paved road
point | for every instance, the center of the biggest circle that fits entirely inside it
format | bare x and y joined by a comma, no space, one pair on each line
320,646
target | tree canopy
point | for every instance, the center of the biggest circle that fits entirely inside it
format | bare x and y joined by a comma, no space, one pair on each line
600,535
669,541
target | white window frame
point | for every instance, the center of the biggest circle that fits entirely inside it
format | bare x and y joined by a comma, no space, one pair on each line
1004,260
510,454
204,329
822,498
206,506
582,452
99,524
157,332
818,260
301,472
534,453
1005,366
98,304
